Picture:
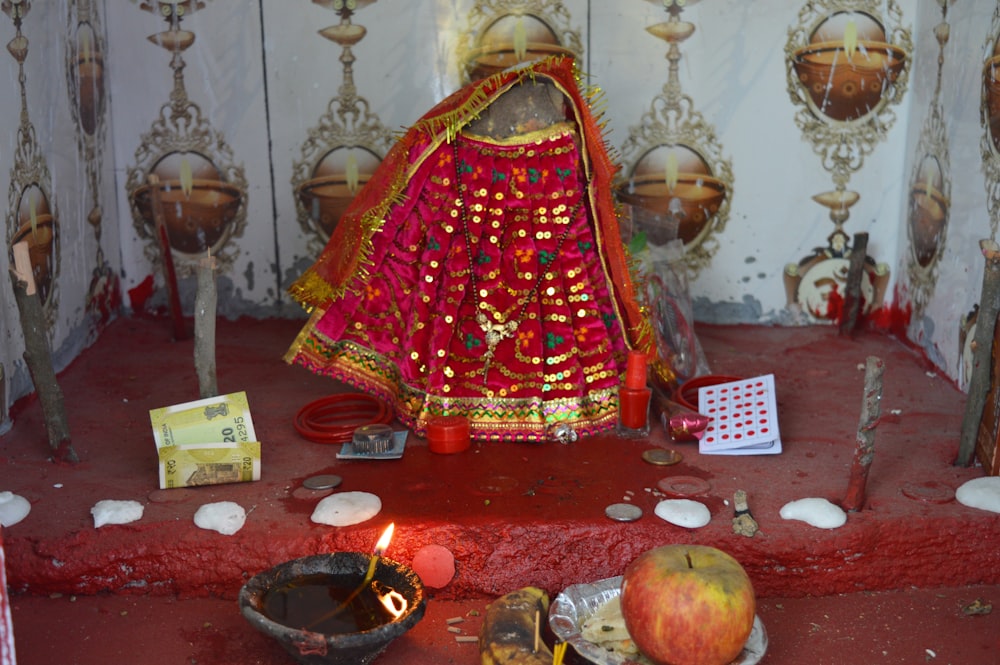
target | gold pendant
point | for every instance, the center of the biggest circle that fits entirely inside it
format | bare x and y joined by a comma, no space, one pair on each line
494,333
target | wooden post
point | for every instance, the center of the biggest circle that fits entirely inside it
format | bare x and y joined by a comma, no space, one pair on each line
852,289
167,256
979,381
871,409
205,307
38,357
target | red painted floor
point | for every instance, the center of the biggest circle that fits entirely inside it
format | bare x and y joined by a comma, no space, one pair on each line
888,587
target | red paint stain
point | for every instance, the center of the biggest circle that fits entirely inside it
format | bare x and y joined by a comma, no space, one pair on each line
141,292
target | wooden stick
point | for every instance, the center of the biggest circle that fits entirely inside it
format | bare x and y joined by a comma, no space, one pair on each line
852,289
167,256
865,451
982,352
537,630
205,307
39,359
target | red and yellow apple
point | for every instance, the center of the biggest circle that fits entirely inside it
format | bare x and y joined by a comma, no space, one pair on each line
688,605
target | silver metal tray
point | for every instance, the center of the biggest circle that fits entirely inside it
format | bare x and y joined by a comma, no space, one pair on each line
578,602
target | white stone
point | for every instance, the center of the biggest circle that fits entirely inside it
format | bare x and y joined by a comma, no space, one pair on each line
347,508
13,508
109,511
683,512
819,513
982,493
225,517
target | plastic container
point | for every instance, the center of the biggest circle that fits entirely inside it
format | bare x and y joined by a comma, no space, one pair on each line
448,434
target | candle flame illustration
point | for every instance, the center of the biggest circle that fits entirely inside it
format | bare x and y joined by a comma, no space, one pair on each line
187,178
671,171
520,39
353,176
850,39
85,45
33,213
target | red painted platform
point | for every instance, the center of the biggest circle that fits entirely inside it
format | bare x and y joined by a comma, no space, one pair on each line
513,514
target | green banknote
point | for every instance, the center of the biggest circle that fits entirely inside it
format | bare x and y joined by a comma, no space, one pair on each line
206,442
193,464
222,418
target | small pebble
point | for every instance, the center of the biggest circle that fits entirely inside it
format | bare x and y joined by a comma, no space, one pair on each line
110,511
683,512
819,513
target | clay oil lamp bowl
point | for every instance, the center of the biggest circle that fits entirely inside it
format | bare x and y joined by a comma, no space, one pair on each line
675,182
198,206
847,66
327,610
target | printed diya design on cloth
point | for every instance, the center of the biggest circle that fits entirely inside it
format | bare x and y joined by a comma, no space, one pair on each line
494,286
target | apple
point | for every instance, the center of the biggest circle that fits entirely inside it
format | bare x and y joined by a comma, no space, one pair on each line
688,605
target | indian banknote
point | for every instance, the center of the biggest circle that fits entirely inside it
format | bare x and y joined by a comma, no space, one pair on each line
206,442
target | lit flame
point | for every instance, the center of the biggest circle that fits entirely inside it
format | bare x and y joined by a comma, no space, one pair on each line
394,602
520,39
672,170
850,39
380,547
352,174
383,543
187,179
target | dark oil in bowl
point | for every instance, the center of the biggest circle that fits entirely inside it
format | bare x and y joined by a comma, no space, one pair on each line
316,603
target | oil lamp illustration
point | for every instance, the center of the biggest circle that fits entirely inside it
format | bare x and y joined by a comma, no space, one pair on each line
31,213
676,181
342,152
847,67
202,193
86,85
930,190
990,117
504,33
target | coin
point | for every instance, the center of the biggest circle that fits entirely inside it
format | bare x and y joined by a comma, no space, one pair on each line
623,512
684,485
661,456
323,482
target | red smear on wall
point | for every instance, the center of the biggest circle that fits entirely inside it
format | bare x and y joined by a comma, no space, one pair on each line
895,317
140,293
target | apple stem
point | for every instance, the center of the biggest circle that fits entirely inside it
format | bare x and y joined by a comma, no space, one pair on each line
688,557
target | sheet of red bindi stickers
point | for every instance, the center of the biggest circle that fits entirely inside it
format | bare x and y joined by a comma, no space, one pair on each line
744,418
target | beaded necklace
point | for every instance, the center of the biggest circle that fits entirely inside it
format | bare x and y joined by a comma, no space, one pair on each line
494,333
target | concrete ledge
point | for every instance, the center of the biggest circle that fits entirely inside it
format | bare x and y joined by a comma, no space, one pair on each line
513,514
